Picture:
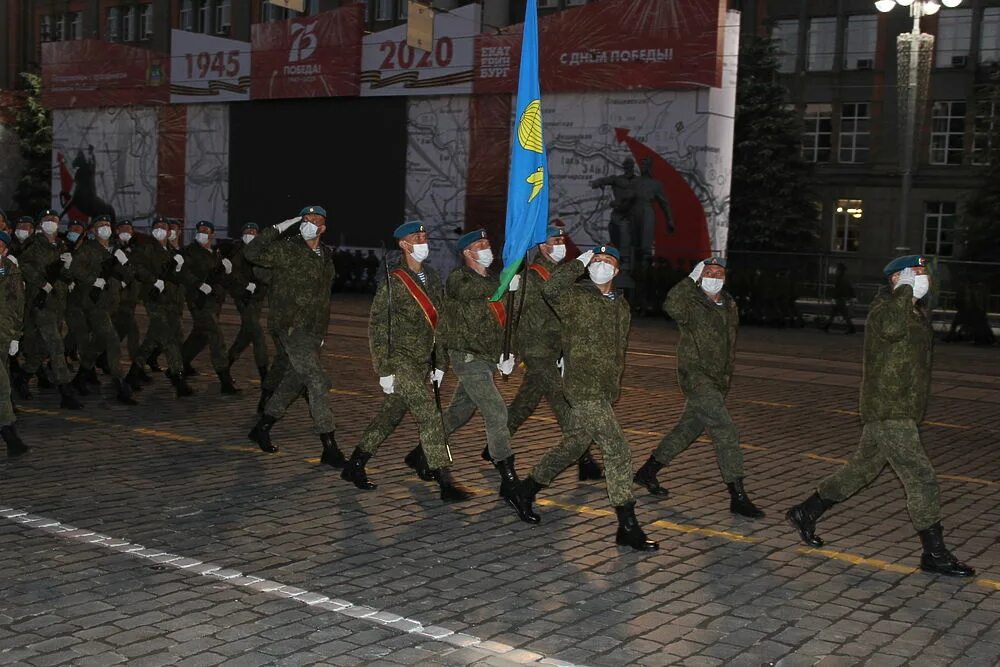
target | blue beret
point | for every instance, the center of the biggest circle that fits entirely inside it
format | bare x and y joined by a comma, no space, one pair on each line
5,237
905,262
205,223
251,225
315,210
554,231
608,250
407,228
465,240
716,261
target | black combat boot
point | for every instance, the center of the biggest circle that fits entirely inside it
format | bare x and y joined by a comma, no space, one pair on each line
123,392
450,491
67,398
132,377
22,384
937,559
90,375
332,456
180,385
354,471
80,383
102,363
140,372
43,379
588,468
261,433
265,396
189,370
416,460
739,501
486,454
153,363
630,533
646,476
226,381
15,446
804,516
510,490
262,372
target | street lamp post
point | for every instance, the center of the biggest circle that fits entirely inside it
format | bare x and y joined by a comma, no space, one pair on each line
918,9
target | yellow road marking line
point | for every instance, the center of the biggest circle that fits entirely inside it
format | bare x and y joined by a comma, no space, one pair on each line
947,425
651,354
854,559
989,583
830,459
347,392
167,434
770,404
972,480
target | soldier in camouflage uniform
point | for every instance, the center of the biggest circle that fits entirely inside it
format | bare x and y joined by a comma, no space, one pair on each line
24,231
595,325
539,346
99,270
158,266
45,266
708,320
302,275
407,353
124,317
11,318
203,274
895,385
247,290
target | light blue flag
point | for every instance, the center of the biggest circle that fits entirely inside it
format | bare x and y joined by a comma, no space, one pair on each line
528,190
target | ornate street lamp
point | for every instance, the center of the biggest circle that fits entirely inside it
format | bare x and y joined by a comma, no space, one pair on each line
914,52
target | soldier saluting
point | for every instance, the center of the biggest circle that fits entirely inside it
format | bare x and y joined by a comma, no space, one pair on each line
895,385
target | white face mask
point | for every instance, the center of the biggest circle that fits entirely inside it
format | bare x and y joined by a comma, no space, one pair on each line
420,252
308,230
173,235
159,234
104,233
921,285
601,272
484,257
712,285
558,253
247,238
201,237
22,233
125,237
50,227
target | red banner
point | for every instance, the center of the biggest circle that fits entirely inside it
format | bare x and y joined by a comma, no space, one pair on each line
93,73
318,56
613,45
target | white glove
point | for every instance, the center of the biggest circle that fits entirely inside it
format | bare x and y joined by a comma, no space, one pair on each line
121,257
13,260
252,287
561,365
47,288
100,283
124,284
159,285
282,226
437,375
179,260
586,257
696,271
515,282
906,277
66,259
205,289
14,347
228,266
388,383
506,364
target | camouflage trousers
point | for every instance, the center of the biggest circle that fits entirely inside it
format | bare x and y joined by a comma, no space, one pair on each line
42,338
304,371
278,368
896,442
541,379
163,333
477,391
205,331
101,339
592,421
6,407
127,328
705,410
250,333
77,332
411,392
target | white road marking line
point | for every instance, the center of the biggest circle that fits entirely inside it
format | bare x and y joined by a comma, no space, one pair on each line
309,598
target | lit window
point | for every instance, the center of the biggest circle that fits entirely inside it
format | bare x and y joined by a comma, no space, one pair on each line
786,40
989,40
859,42
947,132
816,139
822,43
847,217
114,24
187,15
984,131
854,132
939,228
954,37
146,22
223,16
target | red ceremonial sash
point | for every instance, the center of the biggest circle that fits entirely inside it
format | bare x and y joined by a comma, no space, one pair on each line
542,272
419,295
499,312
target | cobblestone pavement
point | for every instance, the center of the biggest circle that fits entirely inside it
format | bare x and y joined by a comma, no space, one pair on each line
159,535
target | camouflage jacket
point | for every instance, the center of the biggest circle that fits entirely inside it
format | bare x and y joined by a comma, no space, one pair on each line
472,326
414,339
594,334
538,329
301,281
202,266
706,352
132,293
11,301
897,363
245,273
156,262
90,262
40,264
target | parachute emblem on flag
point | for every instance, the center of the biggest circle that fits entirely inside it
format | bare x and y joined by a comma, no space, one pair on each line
529,130
537,181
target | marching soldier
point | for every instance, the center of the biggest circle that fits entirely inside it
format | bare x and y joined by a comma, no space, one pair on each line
248,293
407,352
11,318
708,320
175,239
595,326
302,274
202,273
540,348
124,317
895,386
24,231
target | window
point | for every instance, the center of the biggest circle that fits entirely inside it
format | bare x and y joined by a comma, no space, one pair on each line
114,24
404,9
58,28
854,132
203,12
786,40
187,15
847,216
859,42
989,40
383,10
129,24
572,3
939,228
954,37
45,29
145,22
947,132
545,4
987,125
223,16
75,22
817,135
822,43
